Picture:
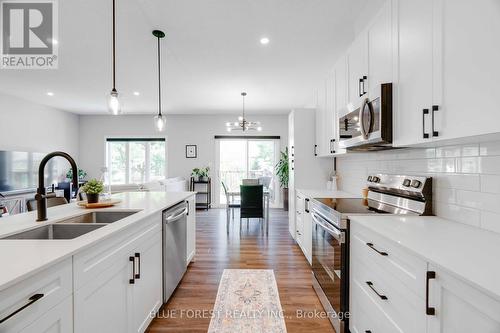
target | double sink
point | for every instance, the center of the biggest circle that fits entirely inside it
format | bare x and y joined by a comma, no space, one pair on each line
72,227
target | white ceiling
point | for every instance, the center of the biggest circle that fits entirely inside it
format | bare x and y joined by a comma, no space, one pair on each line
211,54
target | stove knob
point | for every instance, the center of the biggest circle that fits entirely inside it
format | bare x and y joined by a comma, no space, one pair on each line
375,179
369,178
406,183
416,183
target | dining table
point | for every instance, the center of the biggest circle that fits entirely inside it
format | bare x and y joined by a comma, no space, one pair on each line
266,195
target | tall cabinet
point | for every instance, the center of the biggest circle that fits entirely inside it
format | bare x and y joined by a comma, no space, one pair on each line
305,170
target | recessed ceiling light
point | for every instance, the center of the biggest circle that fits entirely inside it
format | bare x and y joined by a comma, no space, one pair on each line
50,93
264,40
136,93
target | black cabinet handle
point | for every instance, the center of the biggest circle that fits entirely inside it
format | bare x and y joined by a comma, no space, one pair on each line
371,246
138,274
370,284
368,331
306,208
424,112
315,150
31,300
363,80
132,260
434,109
359,88
430,311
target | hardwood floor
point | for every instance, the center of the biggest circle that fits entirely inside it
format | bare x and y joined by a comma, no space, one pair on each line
188,309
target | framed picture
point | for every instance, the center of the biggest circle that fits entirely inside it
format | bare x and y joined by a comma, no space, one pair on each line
191,151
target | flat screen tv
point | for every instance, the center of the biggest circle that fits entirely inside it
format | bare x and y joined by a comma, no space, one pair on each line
19,171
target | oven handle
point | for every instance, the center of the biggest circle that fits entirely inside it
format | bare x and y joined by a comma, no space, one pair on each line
337,234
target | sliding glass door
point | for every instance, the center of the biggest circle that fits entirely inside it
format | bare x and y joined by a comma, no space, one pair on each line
239,159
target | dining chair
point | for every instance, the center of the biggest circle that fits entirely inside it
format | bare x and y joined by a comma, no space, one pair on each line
51,202
231,205
250,181
252,202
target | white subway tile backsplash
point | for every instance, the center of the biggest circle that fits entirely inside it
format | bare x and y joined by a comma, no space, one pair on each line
466,178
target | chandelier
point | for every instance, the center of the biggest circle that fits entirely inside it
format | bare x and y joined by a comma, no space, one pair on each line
243,124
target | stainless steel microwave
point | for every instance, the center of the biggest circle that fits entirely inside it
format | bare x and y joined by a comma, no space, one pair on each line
370,126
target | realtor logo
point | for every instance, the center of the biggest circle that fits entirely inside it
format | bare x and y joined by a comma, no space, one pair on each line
29,34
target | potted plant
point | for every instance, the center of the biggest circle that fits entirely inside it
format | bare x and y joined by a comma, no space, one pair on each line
282,173
201,174
92,189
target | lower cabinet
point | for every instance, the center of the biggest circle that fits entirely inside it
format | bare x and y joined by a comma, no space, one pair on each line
123,294
59,319
393,290
191,229
303,224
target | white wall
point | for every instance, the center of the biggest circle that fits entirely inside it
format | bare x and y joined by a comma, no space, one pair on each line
26,126
466,178
181,130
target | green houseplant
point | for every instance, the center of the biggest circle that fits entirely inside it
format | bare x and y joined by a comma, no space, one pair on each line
283,173
201,174
92,189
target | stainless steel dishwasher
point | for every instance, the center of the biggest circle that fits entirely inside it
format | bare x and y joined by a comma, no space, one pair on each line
174,247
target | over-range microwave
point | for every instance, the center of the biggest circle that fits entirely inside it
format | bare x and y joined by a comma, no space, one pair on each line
370,126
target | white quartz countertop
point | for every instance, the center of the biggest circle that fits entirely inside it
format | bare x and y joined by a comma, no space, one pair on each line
318,193
23,258
467,252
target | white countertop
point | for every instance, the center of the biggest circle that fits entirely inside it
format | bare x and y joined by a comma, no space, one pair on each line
315,193
465,251
23,258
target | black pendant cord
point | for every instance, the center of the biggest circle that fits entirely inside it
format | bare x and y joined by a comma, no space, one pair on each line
114,48
159,78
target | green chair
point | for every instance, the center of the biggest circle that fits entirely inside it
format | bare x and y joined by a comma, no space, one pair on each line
252,202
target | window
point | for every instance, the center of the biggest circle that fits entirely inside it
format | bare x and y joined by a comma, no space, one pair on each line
136,161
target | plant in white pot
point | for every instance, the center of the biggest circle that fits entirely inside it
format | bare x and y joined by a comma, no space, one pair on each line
92,189
283,174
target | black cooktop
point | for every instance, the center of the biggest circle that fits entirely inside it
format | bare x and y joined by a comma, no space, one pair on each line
352,205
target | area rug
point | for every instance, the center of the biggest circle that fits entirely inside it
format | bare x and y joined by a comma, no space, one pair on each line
247,302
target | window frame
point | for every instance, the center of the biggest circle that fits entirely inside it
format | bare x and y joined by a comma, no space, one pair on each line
131,138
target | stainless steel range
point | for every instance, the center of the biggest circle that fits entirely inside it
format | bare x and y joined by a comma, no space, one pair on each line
388,194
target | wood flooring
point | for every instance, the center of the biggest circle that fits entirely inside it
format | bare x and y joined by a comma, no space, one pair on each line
189,308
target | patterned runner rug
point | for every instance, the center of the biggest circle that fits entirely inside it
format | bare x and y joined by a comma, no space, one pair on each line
247,302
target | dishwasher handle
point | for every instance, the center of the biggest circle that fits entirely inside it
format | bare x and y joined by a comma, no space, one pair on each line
177,215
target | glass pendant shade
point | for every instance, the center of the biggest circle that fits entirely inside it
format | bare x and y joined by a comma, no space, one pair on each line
114,105
160,122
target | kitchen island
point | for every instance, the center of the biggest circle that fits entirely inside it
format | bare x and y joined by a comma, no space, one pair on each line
109,279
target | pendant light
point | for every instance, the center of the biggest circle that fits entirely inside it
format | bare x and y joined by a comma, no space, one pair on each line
243,124
114,106
159,119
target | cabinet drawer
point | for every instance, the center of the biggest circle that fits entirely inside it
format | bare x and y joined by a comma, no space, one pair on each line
54,283
389,258
366,316
403,308
88,264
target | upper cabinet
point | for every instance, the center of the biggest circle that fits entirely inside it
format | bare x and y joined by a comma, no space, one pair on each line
448,69
357,69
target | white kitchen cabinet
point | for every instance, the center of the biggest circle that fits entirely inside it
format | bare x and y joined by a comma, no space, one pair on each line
414,91
303,225
191,230
305,171
341,88
357,69
48,300
118,283
321,142
459,307
330,116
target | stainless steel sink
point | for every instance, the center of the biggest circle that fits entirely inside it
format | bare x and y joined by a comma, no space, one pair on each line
98,217
56,231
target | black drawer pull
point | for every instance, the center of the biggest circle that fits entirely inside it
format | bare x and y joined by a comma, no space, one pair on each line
424,112
132,260
370,284
364,79
434,109
31,300
138,274
430,311
359,87
371,246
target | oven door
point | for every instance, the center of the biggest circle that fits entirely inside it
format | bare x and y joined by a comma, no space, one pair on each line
329,262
